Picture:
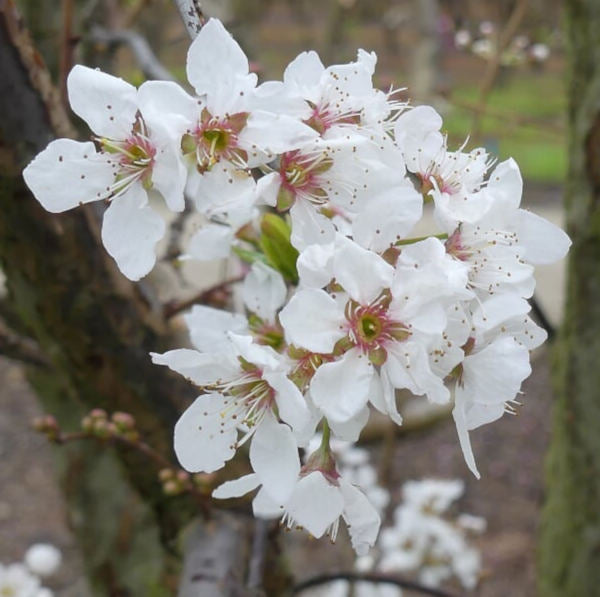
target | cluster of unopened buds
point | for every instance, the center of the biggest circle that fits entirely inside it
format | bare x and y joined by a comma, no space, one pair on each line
319,181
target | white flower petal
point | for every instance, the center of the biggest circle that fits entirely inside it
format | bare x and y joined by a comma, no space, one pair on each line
341,388
264,291
169,175
315,265
211,242
263,506
263,357
506,186
312,320
315,504
237,487
350,430
304,71
209,327
463,435
497,309
543,241
68,173
169,102
387,218
495,373
130,231
361,273
309,227
274,458
275,133
267,188
200,368
361,517
214,59
291,404
408,367
202,443
108,104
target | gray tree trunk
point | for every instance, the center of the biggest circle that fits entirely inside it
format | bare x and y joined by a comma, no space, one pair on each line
569,560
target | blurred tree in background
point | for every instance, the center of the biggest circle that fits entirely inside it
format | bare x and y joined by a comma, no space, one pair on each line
570,542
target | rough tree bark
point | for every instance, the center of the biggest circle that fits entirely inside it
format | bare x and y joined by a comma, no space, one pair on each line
569,562
93,330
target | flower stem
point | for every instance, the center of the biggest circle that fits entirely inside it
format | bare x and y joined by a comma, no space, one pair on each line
410,241
325,438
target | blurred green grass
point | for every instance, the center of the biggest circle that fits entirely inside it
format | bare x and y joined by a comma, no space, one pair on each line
525,121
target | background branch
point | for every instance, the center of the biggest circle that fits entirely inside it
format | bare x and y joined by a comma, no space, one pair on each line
372,578
146,58
192,15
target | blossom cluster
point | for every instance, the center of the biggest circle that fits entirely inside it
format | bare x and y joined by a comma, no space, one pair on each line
319,181
424,539
23,579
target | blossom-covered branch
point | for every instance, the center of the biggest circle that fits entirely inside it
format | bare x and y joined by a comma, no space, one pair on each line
317,182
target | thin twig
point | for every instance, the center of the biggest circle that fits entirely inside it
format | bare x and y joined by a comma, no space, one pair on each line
542,318
146,58
161,462
493,65
192,16
21,349
172,309
139,445
371,577
517,119
134,12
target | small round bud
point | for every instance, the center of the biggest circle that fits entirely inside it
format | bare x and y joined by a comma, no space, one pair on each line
182,476
123,421
87,424
38,424
98,413
203,479
171,488
101,428
43,559
165,474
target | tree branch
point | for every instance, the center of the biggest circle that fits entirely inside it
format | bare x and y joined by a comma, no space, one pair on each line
192,15
146,58
21,349
371,577
172,309
257,557
215,557
493,65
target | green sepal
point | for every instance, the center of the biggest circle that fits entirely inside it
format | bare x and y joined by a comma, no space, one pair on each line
275,244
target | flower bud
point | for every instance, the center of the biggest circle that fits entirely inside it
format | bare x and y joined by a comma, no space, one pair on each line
43,559
172,488
166,474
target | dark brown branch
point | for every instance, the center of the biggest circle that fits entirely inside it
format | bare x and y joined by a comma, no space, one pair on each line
147,60
371,577
172,309
21,349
